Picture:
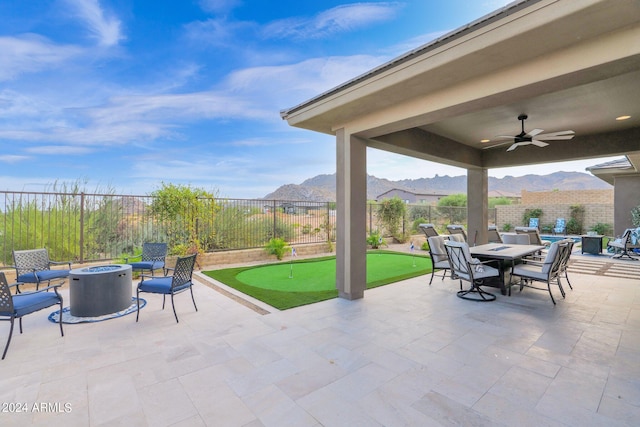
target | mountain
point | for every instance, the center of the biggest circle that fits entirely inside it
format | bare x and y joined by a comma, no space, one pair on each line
322,188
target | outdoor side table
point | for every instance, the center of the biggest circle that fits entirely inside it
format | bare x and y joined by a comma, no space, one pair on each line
100,290
592,244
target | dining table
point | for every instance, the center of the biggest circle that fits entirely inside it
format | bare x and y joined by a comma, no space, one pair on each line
507,254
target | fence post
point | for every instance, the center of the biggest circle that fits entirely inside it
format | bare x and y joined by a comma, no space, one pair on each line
82,227
275,225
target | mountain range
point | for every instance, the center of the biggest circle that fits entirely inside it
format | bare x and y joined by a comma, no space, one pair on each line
322,188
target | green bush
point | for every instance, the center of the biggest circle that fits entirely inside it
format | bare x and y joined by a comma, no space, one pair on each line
375,240
531,213
603,229
277,247
574,227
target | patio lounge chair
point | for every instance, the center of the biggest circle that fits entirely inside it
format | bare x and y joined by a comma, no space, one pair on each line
22,304
170,285
457,229
560,227
624,245
439,257
547,271
34,266
152,258
534,223
471,270
429,230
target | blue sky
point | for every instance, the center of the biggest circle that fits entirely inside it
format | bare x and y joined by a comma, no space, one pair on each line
127,94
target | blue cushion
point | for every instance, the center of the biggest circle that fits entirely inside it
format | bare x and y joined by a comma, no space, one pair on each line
43,275
147,265
26,303
161,285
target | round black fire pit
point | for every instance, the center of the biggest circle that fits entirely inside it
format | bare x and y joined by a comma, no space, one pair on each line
100,290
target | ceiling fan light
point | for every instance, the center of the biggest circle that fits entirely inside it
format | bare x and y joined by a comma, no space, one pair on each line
620,118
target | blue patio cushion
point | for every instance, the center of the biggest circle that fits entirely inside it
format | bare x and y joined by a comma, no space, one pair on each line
43,275
147,265
26,303
161,285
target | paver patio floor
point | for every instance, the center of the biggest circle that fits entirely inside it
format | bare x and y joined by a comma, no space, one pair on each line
408,354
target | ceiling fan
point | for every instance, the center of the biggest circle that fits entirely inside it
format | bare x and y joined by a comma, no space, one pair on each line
535,137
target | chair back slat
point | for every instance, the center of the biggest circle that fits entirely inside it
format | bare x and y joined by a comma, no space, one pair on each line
429,230
6,302
30,260
154,251
183,271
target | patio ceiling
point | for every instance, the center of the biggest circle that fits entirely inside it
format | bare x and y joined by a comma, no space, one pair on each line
566,64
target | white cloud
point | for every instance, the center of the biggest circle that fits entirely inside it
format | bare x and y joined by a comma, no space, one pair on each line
335,20
106,29
218,32
11,158
31,53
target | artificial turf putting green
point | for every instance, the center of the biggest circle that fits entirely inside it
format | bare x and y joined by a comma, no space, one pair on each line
291,284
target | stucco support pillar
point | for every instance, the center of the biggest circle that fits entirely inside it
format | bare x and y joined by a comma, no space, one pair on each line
351,193
477,205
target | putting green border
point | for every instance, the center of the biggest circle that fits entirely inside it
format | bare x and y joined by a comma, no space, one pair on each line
290,299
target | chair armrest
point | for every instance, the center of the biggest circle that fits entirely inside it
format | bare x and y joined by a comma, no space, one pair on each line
54,287
126,259
17,286
60,263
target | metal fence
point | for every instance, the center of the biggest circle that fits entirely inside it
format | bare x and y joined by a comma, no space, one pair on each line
85,227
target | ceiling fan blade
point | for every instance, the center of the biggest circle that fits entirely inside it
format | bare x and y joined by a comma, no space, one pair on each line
539,143
497,145
504,137
535,132
558,133
554,137
518,144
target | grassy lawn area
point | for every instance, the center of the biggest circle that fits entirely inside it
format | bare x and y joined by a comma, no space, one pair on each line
289,284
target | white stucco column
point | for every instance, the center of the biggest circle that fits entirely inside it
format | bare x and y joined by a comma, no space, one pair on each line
351,192
477,205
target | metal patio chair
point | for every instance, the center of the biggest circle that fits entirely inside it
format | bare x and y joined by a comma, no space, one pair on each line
471,270
34,266
152,258
19,305
546,271
178,282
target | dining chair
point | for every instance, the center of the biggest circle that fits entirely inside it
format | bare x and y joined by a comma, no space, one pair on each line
515,239
439,257
493,236
429,230
472,270
457,229
547,271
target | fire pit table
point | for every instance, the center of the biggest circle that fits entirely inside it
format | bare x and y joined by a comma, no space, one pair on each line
96,291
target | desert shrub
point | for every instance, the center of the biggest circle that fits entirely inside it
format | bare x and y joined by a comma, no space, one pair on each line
391,213
277,247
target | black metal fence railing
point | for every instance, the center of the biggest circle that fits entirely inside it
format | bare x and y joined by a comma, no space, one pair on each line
85,227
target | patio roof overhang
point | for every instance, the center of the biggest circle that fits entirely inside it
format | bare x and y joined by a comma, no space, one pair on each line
567,64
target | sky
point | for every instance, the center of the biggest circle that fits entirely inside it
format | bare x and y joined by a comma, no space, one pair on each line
125,95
